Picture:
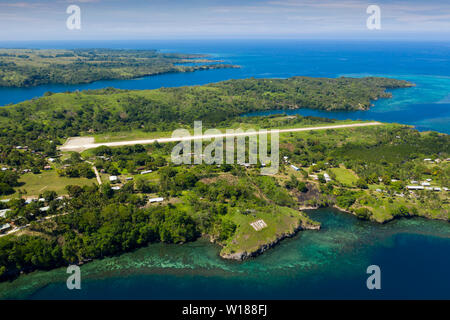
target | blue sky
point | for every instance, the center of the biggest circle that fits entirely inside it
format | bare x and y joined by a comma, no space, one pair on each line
196,19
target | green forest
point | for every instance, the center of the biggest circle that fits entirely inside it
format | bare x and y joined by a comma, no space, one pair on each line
32,67
61,115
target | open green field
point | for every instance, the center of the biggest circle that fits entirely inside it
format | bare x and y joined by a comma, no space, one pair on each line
35,184
345,176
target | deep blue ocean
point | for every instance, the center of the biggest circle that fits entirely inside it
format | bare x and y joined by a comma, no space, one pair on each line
413,254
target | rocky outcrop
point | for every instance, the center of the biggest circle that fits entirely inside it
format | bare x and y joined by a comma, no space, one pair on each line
242,255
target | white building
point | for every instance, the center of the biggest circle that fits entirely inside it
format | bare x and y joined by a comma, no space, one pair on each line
44,209
146,171
115,188
425,184
153,200
415,187
3,212
294,167
4,227
327,177
113,178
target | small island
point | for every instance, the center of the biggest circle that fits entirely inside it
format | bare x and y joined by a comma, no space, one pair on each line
34,67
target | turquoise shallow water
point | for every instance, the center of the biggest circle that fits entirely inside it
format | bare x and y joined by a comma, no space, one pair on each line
425,106
330,263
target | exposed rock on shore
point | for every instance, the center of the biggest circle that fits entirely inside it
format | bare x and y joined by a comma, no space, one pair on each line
242,255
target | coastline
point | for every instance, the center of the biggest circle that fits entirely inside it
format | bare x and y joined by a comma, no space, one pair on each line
392,218
244,254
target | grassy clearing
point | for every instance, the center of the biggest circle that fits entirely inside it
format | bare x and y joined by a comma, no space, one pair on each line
345,176
35,184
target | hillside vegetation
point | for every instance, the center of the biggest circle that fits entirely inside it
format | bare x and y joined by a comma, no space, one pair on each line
108,110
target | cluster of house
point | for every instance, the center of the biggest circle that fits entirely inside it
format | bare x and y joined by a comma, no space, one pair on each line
425,185
14,169
436,160
315,177
115,179
3,212
46,167
426,188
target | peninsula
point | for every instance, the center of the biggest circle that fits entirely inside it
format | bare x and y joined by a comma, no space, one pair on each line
33,67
